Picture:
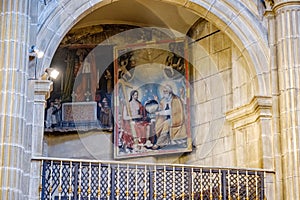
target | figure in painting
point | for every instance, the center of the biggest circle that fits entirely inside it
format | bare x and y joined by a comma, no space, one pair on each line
170,121
174,63
135,125
123,71
105,114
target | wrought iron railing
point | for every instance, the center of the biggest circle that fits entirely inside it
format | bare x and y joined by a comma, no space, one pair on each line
91,180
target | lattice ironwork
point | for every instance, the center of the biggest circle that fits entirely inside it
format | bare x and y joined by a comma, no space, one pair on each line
244,185
207,183
74,180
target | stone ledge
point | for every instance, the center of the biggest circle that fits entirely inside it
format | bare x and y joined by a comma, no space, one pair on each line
43,87
259,107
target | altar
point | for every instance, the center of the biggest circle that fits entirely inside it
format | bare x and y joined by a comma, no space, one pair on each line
79,114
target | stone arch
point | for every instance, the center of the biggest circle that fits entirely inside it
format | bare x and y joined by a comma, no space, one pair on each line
231,17
246,32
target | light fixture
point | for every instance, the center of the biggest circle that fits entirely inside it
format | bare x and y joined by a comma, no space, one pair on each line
50,73
35,52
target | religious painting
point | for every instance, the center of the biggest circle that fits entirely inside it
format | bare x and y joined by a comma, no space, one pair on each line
151,99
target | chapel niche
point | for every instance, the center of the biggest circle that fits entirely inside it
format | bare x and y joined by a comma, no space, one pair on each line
85,59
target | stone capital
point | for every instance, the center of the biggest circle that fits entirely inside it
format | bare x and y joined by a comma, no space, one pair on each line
280,4
259,107
42,88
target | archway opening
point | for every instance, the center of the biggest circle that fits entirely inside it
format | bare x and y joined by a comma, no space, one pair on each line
215,85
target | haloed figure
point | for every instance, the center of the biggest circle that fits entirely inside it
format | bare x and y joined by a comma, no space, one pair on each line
170,120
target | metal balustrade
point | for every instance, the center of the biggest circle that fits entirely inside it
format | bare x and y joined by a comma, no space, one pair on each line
91,180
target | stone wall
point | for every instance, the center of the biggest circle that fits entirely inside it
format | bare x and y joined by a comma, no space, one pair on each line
228,119
90,145
212,96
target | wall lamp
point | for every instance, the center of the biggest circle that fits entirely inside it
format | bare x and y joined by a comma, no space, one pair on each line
50,73
35,52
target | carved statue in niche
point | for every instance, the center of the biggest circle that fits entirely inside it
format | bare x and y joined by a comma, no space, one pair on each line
105,113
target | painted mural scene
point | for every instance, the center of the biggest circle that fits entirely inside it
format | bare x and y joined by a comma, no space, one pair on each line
152,113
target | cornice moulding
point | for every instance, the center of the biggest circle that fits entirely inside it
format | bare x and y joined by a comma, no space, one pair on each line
259,107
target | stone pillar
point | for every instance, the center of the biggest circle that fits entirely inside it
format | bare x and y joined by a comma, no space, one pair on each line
270,16
287,14
41,89
14,26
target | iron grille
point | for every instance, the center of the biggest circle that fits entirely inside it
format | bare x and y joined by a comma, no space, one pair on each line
74,180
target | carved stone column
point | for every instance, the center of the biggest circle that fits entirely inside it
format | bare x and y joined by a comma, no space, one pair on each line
276,132
41,89
287,14
14,26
